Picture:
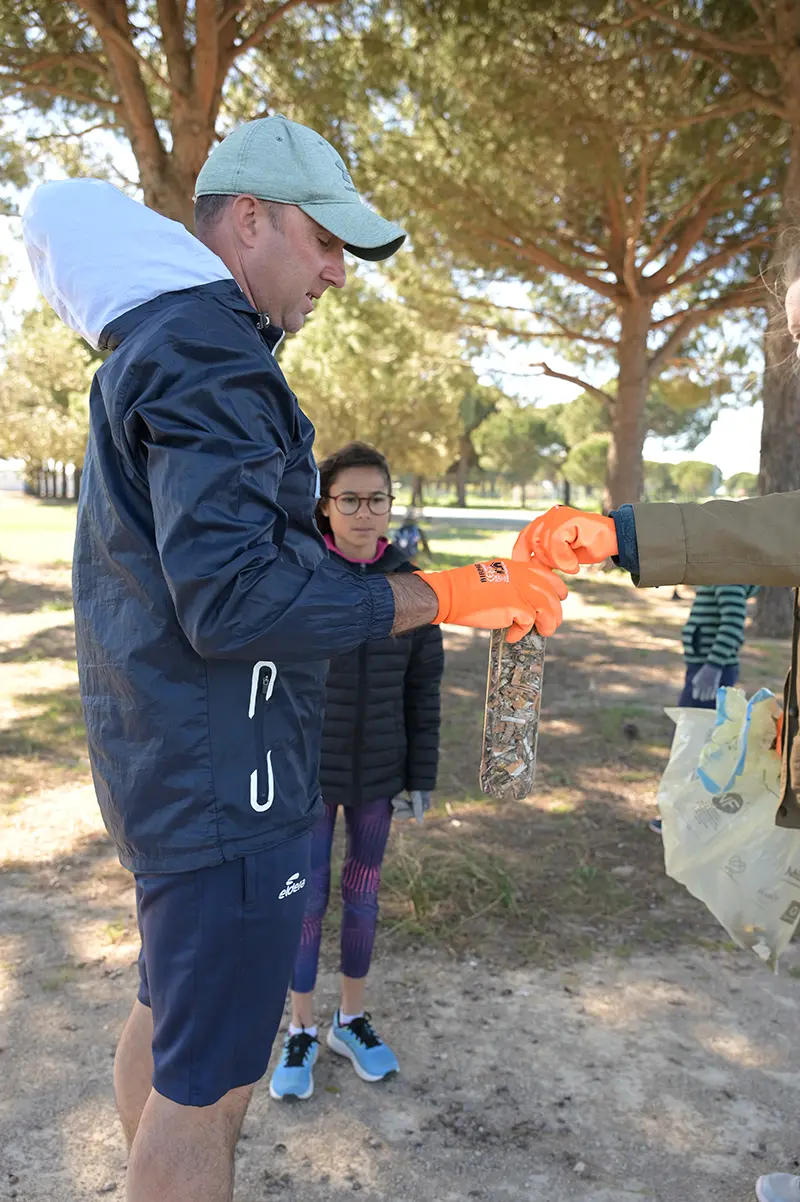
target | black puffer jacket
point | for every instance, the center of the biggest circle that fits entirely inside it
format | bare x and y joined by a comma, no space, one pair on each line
381,728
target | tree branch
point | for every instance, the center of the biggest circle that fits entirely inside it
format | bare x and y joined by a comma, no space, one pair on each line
176,50
691,233
111,34
575,335
746,296
534,335
68,94
646,160
584,384
572,245
229,13
722,256
206,56
532,253
744,102
564,331
75,133
263,27
135,109
84,62
761,46
543,258
662,236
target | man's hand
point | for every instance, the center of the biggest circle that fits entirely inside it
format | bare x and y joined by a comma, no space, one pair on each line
564,538
706,682
492,596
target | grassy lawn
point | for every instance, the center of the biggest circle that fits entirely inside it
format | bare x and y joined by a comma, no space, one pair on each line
549,879
36,532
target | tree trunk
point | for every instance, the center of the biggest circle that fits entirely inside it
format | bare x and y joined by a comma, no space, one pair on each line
780,453
417,486
780,446
625,467
196,75
462,469
566,492
522,490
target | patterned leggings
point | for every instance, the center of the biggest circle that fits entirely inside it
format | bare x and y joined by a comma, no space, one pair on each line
367,829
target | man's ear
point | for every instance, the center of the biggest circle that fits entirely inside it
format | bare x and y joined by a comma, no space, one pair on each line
246,213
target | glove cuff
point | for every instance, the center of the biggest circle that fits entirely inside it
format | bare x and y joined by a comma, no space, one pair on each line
442,585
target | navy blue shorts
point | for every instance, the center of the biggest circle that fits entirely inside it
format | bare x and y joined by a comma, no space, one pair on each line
218,946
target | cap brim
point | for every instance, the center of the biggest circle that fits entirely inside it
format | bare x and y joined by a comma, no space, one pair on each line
365,234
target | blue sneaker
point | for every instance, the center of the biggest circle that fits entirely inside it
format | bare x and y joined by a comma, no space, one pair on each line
372,1059
293,1078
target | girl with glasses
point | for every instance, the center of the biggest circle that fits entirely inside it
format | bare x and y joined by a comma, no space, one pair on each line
380,738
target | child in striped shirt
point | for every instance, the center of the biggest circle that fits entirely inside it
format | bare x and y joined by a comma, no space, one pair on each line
712,638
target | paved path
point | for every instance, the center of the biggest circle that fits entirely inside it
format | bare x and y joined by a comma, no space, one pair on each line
489,519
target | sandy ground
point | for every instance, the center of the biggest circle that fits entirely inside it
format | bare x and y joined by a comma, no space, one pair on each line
570,1024
669,1075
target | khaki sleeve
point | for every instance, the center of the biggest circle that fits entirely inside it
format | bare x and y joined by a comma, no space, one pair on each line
720,542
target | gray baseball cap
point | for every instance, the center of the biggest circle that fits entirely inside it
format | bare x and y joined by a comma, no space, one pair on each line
277,159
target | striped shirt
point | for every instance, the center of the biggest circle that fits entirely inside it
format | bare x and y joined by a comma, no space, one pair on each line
714,631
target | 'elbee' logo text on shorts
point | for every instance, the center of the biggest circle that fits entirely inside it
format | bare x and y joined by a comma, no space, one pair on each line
293,885
489,572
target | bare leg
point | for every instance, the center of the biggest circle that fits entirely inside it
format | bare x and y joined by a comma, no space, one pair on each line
133,1068
186,1153
302,1009
353,994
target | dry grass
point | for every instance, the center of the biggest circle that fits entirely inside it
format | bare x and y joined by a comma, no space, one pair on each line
551,878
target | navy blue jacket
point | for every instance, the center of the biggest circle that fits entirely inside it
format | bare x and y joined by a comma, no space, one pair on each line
206,604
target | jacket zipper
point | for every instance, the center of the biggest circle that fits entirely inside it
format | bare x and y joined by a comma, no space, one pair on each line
262,784
360,711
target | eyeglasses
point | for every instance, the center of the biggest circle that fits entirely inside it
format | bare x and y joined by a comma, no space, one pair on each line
349,503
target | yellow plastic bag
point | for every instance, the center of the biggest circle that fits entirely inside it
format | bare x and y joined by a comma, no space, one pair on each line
718,798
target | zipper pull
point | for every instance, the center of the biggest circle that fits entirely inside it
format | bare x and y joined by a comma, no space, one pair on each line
263,321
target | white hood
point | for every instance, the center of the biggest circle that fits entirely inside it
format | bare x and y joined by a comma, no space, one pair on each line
97,254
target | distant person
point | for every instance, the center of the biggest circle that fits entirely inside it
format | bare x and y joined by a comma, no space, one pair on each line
712,640
410,537
380,737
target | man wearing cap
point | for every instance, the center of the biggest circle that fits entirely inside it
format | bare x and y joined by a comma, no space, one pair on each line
206,607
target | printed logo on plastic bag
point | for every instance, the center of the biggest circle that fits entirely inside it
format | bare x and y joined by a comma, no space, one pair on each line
729,803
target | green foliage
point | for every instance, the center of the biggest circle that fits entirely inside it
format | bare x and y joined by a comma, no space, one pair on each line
44,386
586,462
579,419
694,478
586,164
521,442
742,484
659,484
590,169
366,368
155,75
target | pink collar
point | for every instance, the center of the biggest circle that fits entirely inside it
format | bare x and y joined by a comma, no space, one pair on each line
383,543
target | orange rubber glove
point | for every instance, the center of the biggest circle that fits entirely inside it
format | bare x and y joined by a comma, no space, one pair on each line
500,594
564,538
